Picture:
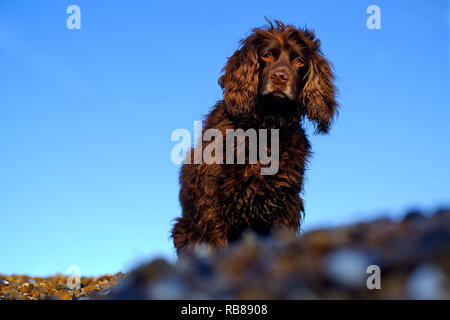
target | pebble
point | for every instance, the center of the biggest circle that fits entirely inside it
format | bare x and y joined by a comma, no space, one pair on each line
167,289
427,282
4,282
347,267
413,216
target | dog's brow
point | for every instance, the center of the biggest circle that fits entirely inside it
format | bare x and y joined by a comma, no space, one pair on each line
296,51
271,48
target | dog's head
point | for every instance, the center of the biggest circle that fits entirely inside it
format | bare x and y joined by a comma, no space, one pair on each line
280,63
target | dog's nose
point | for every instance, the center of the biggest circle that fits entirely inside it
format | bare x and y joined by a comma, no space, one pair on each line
279,76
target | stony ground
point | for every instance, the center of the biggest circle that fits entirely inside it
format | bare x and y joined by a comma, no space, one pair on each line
18,287
413,256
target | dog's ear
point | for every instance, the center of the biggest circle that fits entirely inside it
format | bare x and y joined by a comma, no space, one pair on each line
319,92
240,80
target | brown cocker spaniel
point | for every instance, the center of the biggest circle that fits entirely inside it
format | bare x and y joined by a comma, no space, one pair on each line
275,80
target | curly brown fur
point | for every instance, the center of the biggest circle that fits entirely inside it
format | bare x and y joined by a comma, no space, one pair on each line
276,79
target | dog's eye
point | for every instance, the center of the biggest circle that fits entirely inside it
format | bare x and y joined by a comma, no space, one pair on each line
299,62
267,56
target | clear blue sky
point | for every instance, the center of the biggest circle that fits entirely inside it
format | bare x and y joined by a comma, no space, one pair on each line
86,116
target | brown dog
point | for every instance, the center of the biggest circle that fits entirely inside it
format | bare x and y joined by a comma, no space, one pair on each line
276,79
